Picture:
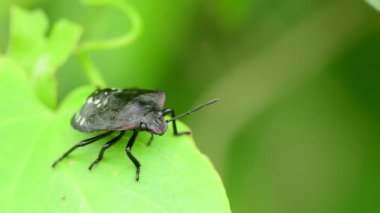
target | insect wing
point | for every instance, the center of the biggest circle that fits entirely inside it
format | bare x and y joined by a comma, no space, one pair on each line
94,113
112,109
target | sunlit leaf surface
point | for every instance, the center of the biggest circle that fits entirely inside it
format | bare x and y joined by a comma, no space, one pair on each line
41,54
175,176
374,3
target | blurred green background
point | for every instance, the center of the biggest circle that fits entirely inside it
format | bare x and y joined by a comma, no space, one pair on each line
297,128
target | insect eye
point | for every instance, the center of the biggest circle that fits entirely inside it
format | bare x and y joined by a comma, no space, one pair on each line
143,125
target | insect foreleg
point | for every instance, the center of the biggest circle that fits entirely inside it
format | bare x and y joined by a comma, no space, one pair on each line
128,150
171,111
150,139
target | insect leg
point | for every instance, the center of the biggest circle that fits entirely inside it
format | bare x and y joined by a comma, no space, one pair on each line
106,146
80,144
128,149
171,111
150,139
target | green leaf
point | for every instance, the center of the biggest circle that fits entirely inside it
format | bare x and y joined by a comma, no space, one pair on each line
27,36
39,55
374,3
175,176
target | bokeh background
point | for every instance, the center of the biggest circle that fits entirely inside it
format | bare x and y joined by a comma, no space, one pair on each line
297,128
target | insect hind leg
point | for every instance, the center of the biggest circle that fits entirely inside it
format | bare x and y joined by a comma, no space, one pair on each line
105,147
81,144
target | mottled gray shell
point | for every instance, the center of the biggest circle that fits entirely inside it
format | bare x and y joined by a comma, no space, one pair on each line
117,109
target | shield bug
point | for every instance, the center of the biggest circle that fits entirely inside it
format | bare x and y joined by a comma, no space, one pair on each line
121,110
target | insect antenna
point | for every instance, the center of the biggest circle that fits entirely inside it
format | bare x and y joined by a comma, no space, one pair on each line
193,110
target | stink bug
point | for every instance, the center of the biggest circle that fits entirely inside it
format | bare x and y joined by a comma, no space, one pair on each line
120,110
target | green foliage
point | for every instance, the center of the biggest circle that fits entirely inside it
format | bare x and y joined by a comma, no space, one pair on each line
321,124
374,3
41,56
175,176
129,14
298,124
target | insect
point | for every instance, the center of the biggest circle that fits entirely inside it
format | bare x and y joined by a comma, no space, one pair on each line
121,110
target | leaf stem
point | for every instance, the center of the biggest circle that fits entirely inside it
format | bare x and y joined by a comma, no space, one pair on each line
83,49
92,73
120,41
